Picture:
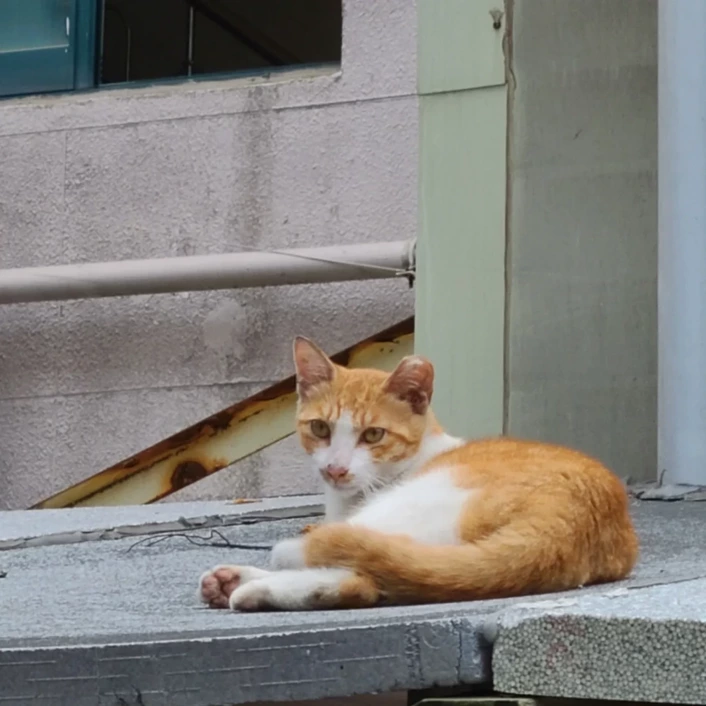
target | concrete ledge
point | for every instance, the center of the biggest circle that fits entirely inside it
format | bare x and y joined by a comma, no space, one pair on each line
93,622
642,640
613,648
89,622
20,529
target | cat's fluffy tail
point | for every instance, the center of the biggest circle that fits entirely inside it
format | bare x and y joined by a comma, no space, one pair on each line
503,564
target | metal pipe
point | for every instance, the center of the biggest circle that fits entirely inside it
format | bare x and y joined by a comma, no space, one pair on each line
682,241
206,272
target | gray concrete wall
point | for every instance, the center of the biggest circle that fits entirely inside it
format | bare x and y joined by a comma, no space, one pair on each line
308,159
583,228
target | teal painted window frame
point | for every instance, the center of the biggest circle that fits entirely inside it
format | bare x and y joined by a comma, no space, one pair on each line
88,14
76,66
50,69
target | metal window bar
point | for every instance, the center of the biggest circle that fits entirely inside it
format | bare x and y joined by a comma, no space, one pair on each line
128,36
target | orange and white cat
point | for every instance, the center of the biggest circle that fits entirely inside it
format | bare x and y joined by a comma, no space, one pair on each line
414,515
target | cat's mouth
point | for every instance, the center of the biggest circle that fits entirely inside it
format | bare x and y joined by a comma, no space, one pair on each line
340,483
345,484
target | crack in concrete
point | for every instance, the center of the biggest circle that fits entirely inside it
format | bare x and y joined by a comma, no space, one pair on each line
160,528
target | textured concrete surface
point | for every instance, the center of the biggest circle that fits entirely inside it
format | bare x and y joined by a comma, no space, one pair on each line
120,616
583,229
643,641
307,158
96,621
86,524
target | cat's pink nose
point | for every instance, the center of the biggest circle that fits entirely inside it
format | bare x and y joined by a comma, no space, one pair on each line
336,472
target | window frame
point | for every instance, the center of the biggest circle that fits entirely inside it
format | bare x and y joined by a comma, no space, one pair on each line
56,70
86,60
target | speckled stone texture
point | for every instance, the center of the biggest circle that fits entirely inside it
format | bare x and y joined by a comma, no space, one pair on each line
642,640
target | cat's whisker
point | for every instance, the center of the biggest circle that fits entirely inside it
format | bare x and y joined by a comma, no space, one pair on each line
373,485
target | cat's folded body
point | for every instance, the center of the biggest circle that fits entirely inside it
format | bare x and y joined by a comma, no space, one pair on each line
414,515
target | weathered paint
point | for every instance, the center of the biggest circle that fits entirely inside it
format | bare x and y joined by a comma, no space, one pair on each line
460,290
220,440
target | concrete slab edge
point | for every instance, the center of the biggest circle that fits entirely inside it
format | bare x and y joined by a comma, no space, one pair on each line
233,669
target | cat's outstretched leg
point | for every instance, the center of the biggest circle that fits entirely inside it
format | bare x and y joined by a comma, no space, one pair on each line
245,588
217,585
305,589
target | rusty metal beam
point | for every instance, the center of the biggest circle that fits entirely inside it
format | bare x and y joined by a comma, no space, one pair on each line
221,439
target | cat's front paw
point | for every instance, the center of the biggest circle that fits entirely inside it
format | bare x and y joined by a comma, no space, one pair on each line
253,596
288,554
218,585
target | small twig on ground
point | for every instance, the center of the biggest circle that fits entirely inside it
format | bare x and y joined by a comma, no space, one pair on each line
215,537
200,541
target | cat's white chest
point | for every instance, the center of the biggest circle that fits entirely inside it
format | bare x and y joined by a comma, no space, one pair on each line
426,508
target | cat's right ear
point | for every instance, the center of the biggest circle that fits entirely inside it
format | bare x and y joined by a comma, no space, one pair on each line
313,366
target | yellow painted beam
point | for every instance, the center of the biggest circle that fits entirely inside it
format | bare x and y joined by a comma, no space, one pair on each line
221,439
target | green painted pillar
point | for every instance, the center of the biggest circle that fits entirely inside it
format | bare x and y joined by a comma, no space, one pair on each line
460,286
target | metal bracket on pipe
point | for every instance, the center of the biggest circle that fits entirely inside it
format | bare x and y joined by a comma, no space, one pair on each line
411,269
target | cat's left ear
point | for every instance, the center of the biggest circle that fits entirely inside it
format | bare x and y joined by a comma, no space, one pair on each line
413,382
313,366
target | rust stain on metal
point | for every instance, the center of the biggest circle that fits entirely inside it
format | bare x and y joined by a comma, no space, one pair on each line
188,472
221,439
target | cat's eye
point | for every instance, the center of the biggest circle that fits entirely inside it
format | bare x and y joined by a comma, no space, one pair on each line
320,429
372,435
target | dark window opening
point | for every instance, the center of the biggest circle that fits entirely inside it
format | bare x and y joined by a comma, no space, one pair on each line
145,40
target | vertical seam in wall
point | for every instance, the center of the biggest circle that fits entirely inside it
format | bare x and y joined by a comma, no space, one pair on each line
511,84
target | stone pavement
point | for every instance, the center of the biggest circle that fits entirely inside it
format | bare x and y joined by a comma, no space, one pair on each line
98,606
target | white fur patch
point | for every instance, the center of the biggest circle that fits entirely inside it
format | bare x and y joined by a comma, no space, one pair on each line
341,446
435,444
288,554
287,590
345,452
339,506
426,508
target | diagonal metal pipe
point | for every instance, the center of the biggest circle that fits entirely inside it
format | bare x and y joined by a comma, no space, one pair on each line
337,263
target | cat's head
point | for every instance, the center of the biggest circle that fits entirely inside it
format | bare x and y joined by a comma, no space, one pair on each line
361,427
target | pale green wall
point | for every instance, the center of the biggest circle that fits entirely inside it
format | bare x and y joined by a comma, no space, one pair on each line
460,289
